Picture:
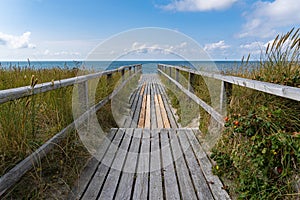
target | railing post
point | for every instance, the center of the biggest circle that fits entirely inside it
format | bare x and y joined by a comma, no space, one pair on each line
177,75
226,91
83,95
108,78
122,74
130,71
190,81
170,71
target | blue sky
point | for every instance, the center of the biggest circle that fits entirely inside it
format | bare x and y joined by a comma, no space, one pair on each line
70,29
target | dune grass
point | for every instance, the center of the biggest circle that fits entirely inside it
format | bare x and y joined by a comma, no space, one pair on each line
25,124
259,152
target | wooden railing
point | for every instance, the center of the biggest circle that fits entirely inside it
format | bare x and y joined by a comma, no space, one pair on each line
225,87
13,176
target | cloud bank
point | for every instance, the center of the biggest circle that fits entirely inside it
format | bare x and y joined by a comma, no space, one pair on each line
16,42
216,46
265,17
198,5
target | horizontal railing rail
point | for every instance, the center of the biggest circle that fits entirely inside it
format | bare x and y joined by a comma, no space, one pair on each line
16,93
15,174
271,88
225,87
217,116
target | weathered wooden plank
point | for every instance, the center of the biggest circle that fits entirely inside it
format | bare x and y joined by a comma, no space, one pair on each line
158,112
171,187
141,123
96,184
135,100
111,182
142,174
163,112
126,182
148,108
153,112
155,185
136,114
91,167
184,179
206,168
275,89
132,102
217,116
133,108
132,96
201,186
160,122
170,114
143,89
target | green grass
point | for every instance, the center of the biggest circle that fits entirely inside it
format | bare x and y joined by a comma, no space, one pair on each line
259,152
27,123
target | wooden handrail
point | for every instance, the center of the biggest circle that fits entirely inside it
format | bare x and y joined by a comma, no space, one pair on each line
16,93
270,88
217,116
225,88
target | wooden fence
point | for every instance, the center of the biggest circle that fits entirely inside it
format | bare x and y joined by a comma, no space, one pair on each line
225,87
14,175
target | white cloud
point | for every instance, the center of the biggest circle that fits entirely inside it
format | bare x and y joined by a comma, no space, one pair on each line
198,5
254,48
16,42
265,17
253,45
47,52
259,47
66,53
216,46
143,48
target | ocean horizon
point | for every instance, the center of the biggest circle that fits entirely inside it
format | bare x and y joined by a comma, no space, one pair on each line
148,65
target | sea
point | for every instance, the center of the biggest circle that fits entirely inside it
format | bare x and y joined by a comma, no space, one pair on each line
148,66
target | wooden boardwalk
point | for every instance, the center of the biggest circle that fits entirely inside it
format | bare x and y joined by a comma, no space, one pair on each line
149,106
150,158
